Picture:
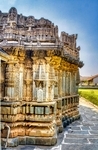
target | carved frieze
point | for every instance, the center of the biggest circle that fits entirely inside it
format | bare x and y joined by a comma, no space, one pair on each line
55,62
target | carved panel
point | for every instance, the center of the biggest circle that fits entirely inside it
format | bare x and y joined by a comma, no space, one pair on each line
39,95
39,110
16,85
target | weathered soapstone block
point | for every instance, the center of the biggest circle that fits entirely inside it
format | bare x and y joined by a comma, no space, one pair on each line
31,109
5,110
14,110
39,110
22,140
41,140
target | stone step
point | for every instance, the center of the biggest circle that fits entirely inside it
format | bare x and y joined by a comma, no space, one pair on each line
82,135
75,140
79,146
94,132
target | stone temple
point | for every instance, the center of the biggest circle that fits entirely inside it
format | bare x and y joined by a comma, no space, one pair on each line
39,77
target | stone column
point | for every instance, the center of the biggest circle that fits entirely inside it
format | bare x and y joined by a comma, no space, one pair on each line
2,78
71,83
18,82
63,83
34,66
51,91
21,82
56,85
10,79
67,83
28,80
60,83
47,77
74,83
77,80
52,82
20,73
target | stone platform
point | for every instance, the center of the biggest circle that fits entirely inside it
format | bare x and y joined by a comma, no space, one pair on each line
83,134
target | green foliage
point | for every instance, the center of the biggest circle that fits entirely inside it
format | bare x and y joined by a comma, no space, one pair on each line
89,94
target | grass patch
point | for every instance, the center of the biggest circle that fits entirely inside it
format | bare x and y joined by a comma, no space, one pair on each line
89,94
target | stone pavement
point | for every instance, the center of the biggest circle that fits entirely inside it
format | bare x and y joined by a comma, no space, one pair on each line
83,134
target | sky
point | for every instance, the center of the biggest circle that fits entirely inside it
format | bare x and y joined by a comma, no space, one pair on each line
72,16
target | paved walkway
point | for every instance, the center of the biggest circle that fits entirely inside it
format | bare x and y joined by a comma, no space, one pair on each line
82,136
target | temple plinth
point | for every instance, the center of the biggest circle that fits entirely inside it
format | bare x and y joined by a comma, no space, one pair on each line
39,79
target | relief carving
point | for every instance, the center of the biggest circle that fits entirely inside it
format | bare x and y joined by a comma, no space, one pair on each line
55,62
42,22
30,20
12,14
39,95
21,19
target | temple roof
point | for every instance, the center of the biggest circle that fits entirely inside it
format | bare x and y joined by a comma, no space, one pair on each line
32,34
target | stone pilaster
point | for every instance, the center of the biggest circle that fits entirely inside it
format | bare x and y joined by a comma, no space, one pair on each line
67,83
74,83
56,85
2,79
47,78
21,70
71,83
28,80
60,83
63,83
51,82
34,67
10,80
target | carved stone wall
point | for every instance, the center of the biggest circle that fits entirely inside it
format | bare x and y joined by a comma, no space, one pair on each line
40,79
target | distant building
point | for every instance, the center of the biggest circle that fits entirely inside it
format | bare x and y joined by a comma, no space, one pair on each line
89,80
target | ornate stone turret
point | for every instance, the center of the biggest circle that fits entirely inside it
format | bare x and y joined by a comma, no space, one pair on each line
39,76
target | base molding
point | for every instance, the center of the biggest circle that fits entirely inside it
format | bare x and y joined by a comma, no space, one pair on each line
26,140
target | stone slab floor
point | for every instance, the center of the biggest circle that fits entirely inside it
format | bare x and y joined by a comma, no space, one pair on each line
82,136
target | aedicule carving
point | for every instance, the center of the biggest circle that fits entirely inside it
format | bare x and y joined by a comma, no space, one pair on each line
39,95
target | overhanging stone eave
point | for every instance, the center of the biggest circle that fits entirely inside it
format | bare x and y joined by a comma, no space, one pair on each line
4,56
58,48
41,47
73,61
81,64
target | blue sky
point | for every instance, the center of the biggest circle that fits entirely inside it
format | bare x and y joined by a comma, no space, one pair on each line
72,16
